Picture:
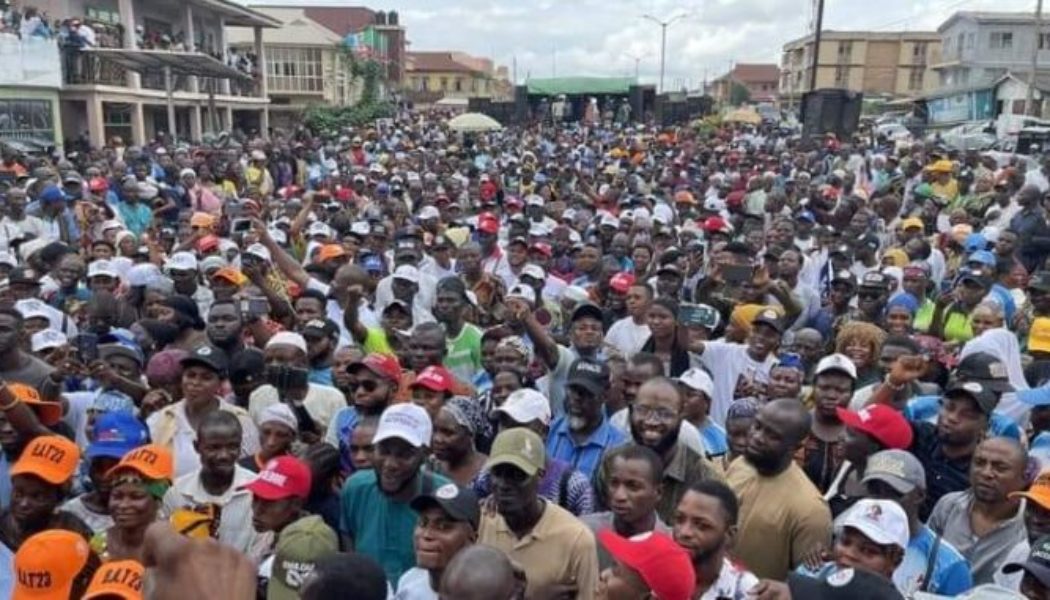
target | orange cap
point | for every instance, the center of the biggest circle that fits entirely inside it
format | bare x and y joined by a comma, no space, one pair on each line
330,251
230,274
52,458
151,461
1038,492
119,579
49,413
201,219
47,564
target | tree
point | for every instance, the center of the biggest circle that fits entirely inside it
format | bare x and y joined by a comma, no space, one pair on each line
738,94
369,108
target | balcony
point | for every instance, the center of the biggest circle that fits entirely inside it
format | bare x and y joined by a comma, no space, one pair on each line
31,62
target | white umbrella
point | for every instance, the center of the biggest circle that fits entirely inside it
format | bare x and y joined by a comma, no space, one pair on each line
474,122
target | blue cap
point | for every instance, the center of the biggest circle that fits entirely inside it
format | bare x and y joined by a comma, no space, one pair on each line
52,193
982,256
383,188
115,434
975,242
807,215
372,263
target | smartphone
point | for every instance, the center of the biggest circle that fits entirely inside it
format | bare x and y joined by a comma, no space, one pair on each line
737,273
256,306
240,225
86,345
234,210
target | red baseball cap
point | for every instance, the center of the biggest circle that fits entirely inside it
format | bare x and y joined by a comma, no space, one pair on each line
881,422
208,242
488,223
434,378
735,198
542,248
662,564
282,477
716,225
621,282
384,365
98,184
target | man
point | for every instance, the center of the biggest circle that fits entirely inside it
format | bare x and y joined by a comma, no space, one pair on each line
225,328
215,492
375,516
1037,525
373,387
322,336
1033,232
556,551
630,333
482,573
448,522
19,366
287,370
705,524
583,435
633,490
821,453
931,563
986,521
1034,571
742,370
183,269
301,546
278,496
642,367
871,535
789,265
463,339
893,347
774,537
650,566
656,420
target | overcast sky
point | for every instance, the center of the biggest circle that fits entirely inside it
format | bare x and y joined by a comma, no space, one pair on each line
600,37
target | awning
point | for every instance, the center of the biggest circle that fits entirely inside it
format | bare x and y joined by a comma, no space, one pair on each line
181,63
579,85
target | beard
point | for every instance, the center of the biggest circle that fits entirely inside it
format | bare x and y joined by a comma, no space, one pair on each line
662,446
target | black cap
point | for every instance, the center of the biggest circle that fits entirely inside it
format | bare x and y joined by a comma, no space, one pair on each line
981,277
1037,564
24,275
870,240
247,366
843,249
843,584
1040,280
209,356
320,328
591,375
984,368
737,248
587,309
875,279
771,318
459,503
985,398
844,276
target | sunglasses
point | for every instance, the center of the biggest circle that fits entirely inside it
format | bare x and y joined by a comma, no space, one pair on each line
367,385
869,295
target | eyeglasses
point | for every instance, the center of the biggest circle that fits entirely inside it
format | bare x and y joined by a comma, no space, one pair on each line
658,413
368,385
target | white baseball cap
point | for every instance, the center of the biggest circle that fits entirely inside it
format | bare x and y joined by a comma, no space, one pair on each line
698,380
47,339
288,338
102,268
882,521
534,271
534,200
526,405
407,273
837,362
260,251
279,236
318,228
181,261
429,212
6,258
360,228
524,292
33,308
408,422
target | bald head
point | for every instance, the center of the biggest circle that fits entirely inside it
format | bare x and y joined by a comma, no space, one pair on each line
1008,448
478,572
791,415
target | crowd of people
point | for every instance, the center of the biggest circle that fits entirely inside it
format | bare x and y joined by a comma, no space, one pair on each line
562,360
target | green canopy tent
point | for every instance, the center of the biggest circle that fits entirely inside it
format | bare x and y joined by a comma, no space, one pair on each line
580,86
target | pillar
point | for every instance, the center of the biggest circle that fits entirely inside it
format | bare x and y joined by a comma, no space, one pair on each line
187,17
263,84
227,118
195,123
224,49
96,122
127,18
138,125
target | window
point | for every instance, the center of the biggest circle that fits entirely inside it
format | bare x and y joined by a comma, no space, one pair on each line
845,51
1044,41
1001,40
915,79
294,69
458,84
444,84
102,14
960,42
918,52
970,39
841,76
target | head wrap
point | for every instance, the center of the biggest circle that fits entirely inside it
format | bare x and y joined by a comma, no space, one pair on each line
905,300
744,408
517,344
466,413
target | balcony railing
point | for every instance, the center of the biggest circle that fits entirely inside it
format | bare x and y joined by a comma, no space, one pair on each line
79,68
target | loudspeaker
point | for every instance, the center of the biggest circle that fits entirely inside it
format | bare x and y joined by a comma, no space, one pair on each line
830,111
521,104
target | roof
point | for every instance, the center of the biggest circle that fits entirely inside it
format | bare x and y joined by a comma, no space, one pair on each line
296,29
1042,79
754,73
827,35
341,20
988,17
435,62
181,63
580,85
237,15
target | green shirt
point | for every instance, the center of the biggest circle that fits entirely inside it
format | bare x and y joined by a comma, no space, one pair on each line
381,528
464,353
924,317
376,342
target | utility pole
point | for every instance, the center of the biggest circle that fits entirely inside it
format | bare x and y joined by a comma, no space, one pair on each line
663,41
816,46
637,58
1029,105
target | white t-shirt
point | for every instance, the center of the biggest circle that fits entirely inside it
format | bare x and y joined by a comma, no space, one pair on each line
415,585
627,336
321,402
727,363
184,437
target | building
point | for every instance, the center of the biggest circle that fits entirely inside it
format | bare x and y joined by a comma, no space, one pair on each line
981,47
885,64
761,81
453,76
29,92
157,67
304,65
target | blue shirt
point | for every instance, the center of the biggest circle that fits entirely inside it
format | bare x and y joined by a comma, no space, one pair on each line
7,565
321,376
713,439
343,424
5,486
137,217
951,572
925,408
587,456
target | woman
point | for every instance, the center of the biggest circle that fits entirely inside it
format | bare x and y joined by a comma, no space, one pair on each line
431,389
666,340
278,430
862,343
455,454
1002,344
786,378
986,316
182,312
508,379
642,257
138,483
900,312
953,310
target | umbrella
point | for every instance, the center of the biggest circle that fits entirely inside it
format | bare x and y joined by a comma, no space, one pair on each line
474,122
743,115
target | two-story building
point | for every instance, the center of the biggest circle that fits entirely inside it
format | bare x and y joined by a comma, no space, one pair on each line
431,77
760,80
30,80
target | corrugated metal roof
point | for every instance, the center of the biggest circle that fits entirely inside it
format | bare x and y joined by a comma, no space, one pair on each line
296,29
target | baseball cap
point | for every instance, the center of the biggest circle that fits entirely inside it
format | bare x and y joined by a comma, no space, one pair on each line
845,276
49,339
1040,280
460,503
48,563
1037,564
125,349
621,282
882,521
152,461
985,368
102,268
488,223
408,422
407,273
1038,492
663,565
837,362
118,579
875,279
165,366
209,356
330,251
259,251
525,406
881,422
986,399
52,458
588,310
984,257
843,584
898,469
181,261
115,434
434,378
698,380
772,318
282,477
384,365
519,447
230,274
980,276
591,375
319,328
299,547
523,292
534,271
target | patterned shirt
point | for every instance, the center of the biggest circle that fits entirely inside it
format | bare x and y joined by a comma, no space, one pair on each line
561,484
